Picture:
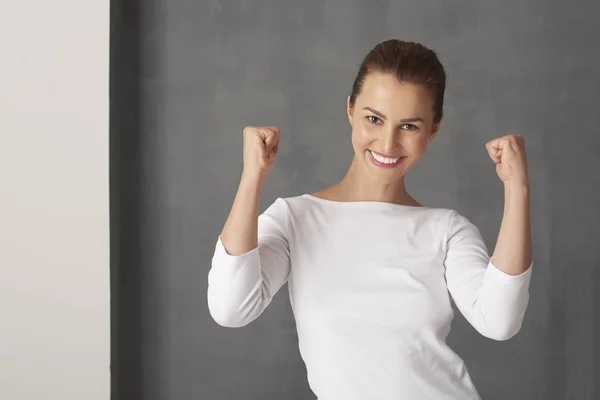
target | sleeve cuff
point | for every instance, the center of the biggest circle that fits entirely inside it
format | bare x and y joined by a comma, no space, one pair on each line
225,258
502,277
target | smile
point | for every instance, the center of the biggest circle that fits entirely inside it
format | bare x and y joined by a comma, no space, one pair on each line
385,161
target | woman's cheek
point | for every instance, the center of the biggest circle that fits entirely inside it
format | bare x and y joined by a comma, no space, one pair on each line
363,134
367,130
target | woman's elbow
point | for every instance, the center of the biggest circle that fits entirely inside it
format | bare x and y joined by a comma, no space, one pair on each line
503,332
227,316
228,320
231,314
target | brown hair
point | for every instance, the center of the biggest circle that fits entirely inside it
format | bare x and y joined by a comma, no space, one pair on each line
411,63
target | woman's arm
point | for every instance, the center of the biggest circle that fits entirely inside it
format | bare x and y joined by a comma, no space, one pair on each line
251,260
239,235
493,294
512,254
240,287
493,301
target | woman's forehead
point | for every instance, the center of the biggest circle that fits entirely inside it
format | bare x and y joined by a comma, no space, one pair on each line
390,96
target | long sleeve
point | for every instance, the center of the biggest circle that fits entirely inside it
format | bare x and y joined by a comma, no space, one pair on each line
241,287
493,302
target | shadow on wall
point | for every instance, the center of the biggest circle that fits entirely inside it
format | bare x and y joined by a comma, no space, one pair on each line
125,198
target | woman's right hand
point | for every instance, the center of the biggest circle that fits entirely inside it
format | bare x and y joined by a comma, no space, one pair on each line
260,148
240,233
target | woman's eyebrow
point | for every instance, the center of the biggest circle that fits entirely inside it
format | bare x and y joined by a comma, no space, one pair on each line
415,119
380,114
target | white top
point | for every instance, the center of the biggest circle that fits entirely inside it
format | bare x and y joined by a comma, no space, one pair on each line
370,286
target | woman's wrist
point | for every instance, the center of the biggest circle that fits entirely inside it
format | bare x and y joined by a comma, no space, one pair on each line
252,180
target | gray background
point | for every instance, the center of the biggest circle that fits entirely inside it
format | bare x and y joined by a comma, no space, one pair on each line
187,76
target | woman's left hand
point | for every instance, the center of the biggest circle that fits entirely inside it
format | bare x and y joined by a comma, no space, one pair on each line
508,153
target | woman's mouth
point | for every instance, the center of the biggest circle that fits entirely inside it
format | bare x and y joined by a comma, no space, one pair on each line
385,161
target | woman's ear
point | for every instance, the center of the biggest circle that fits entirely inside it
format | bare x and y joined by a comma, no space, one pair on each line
434,130
349,110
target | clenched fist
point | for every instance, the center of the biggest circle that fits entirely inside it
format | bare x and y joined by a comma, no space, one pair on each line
508,153
260,148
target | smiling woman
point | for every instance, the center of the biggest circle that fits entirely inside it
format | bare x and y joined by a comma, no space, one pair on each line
396,126
370,271
395,110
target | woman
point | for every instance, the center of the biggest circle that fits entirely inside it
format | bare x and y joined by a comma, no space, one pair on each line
371,271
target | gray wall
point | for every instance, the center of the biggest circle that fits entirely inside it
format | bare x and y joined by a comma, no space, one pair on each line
187,76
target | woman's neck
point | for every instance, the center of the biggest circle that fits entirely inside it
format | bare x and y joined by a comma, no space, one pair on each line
356,186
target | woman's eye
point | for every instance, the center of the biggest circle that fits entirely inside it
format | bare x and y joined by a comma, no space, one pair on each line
373,119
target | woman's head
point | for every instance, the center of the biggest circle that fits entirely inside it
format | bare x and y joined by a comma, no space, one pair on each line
395,107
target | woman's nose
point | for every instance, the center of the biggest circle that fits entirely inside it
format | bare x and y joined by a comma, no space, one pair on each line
389,141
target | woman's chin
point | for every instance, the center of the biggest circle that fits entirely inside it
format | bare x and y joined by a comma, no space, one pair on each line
385,176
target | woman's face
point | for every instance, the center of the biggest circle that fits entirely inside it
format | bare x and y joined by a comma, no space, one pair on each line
391,122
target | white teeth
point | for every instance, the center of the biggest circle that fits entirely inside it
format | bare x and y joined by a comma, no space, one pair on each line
384,160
